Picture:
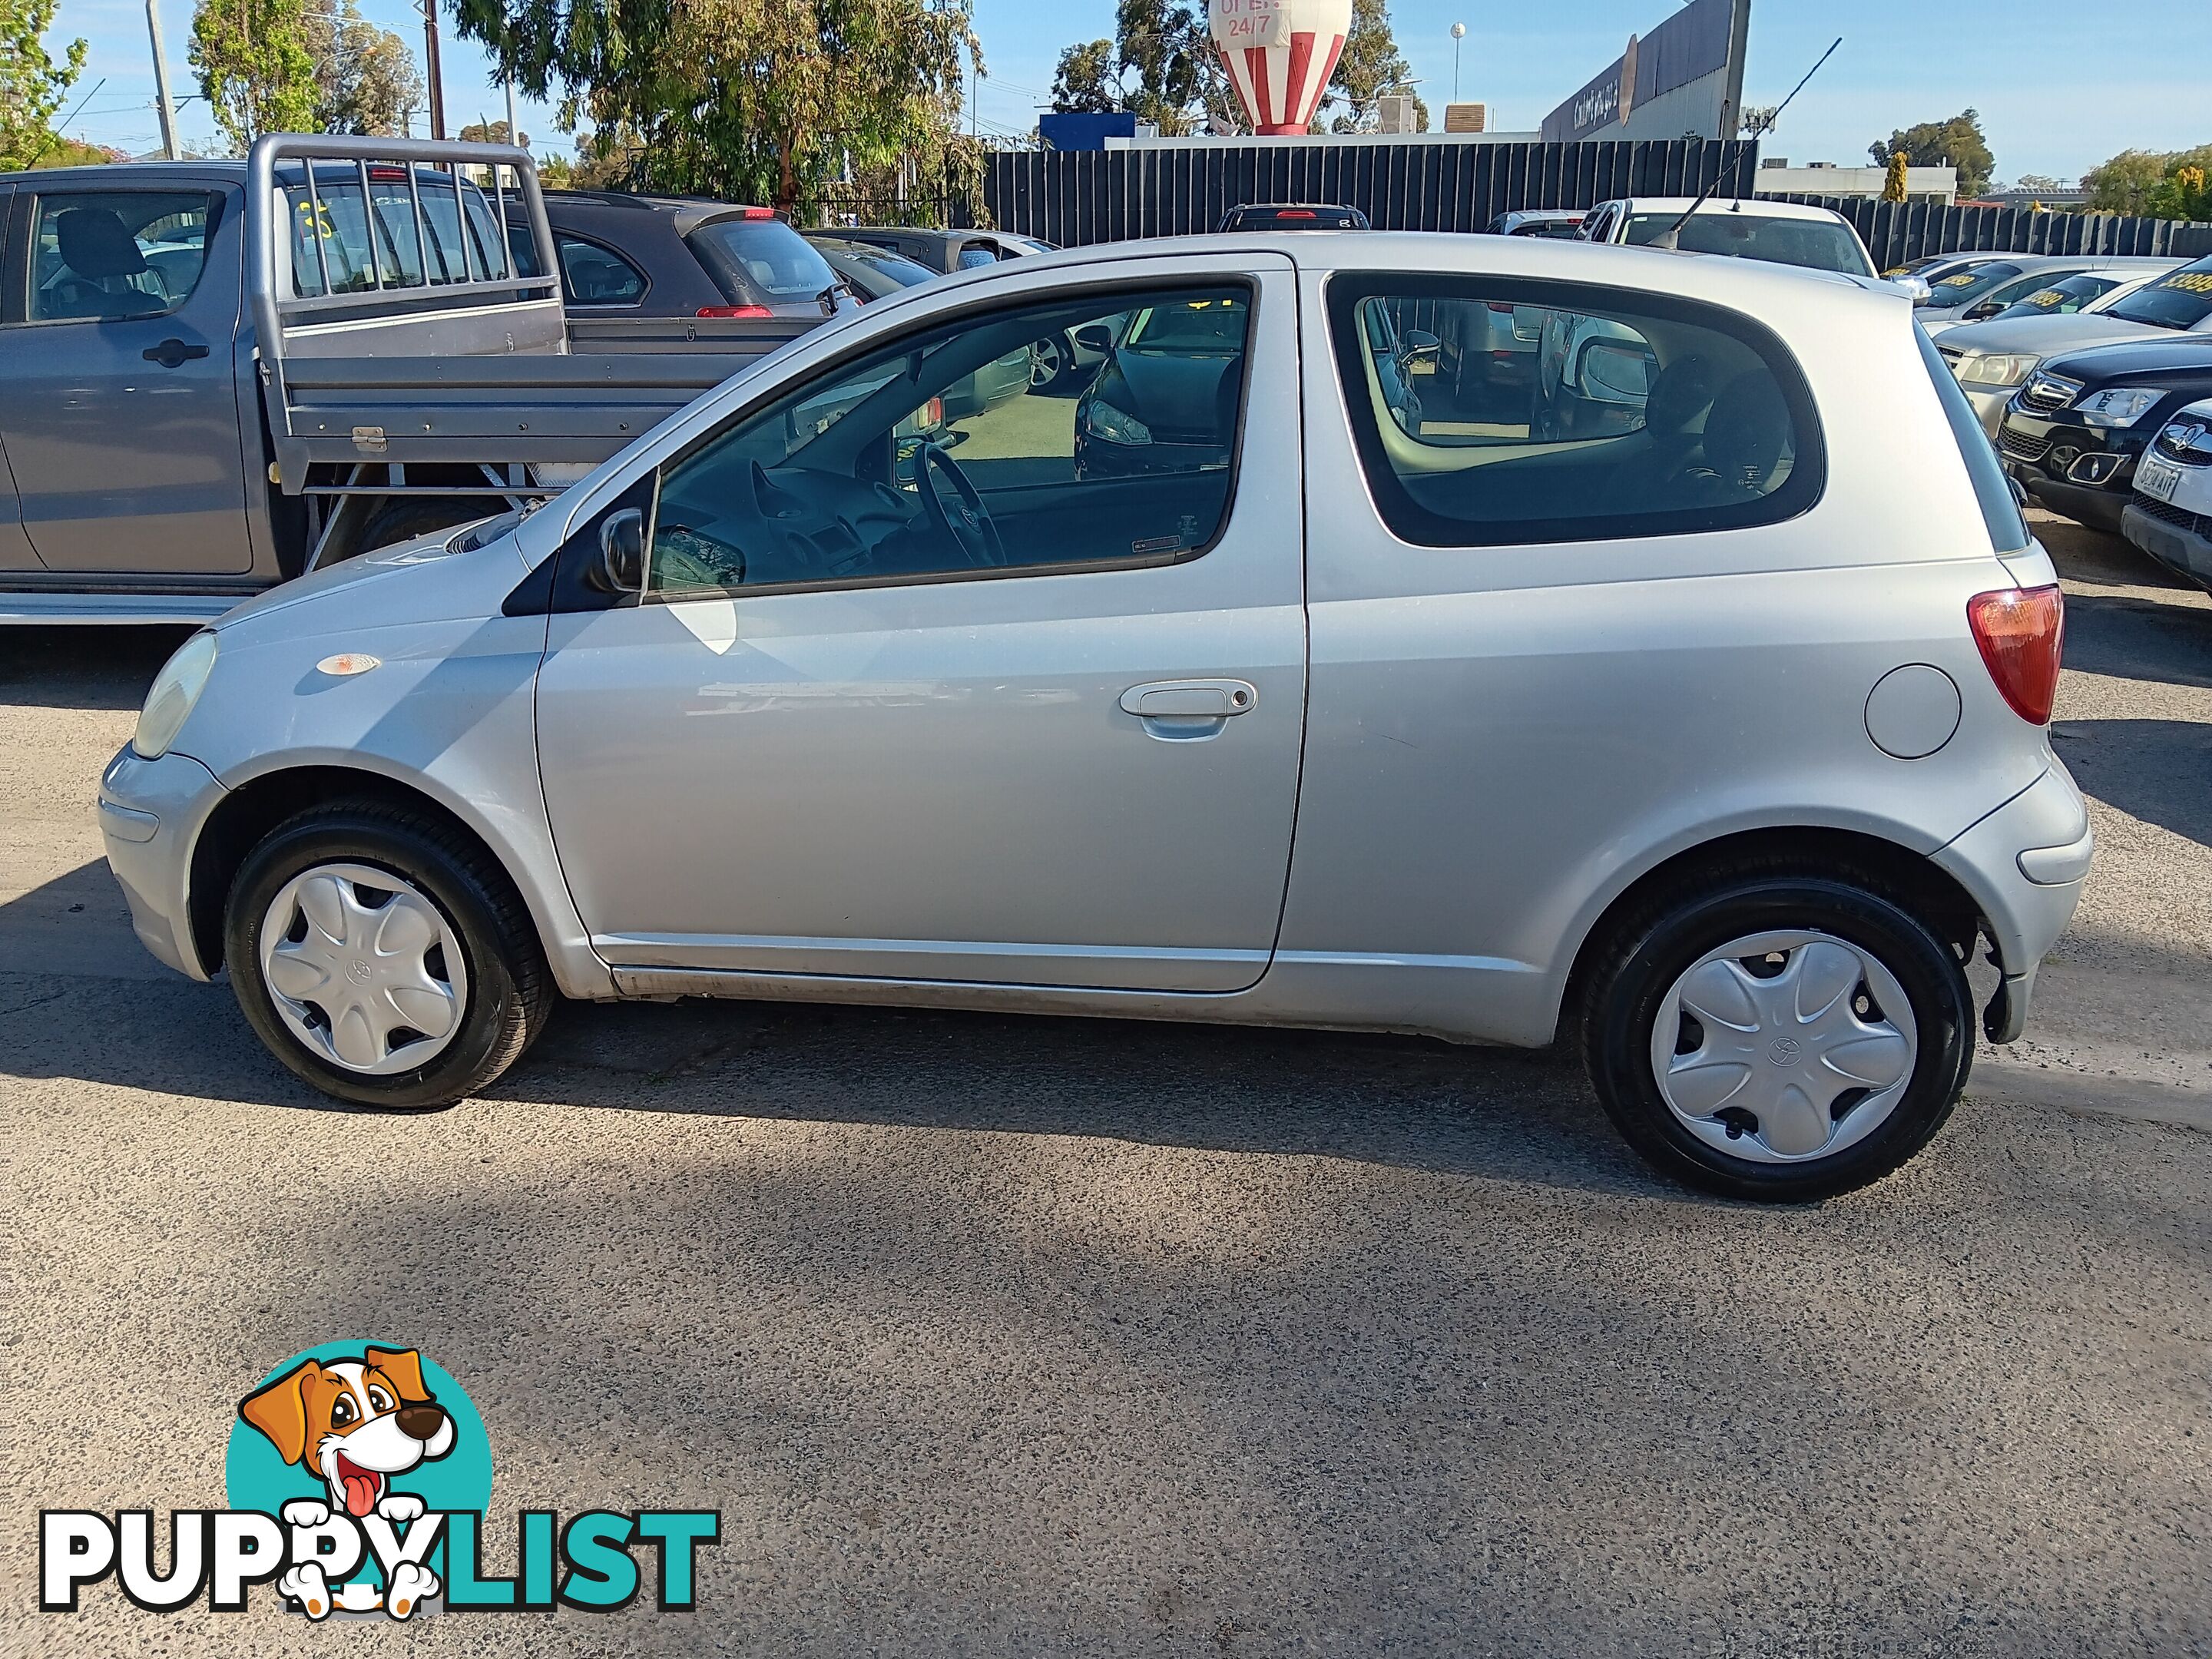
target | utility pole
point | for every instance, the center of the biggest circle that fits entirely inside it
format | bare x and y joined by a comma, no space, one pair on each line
513,132
430,69
1459,34
161,84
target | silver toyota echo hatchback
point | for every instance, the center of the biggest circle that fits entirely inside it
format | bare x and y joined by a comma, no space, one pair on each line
1302,663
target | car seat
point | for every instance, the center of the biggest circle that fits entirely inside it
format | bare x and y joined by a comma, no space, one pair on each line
107,274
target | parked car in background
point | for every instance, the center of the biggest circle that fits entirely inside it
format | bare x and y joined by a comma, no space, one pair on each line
2073,434
666,256
1713,746
1994,360
1751,227
1561,223
2170,516
941,251
1983,290
872,273
1291,215
219,374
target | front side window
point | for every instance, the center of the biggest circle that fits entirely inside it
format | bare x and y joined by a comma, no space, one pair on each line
939,457
1489,411
117,253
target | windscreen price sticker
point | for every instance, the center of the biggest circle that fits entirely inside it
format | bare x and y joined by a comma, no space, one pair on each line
2157,479
1251,22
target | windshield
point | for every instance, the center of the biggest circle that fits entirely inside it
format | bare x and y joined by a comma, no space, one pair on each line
1196,328
772,259
2180,299
1963,288
1815,244
2061,298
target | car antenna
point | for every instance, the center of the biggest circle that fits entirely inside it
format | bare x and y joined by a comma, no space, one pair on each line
1671,237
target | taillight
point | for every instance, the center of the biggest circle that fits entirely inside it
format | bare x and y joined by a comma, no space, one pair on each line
2020,631
735,311
1504,307
933,412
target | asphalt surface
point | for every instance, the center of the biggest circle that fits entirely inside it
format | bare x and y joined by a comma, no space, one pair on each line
1021,1336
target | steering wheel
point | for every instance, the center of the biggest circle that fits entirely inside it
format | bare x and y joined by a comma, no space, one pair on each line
968,522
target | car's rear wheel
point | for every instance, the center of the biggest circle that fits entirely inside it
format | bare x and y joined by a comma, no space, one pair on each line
383,956
1052,363
1778,1038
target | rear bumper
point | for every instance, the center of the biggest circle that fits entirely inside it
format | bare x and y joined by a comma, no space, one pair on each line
2186,552
150,817
2025,864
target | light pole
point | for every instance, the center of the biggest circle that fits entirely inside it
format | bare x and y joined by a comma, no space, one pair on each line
1459,34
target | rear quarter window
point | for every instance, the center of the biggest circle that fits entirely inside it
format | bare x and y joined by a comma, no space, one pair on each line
1492,412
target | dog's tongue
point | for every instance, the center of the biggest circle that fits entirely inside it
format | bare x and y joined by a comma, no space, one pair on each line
360,1493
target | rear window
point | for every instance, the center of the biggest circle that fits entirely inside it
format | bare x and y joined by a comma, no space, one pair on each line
767,257
331,233
1815,244
2180,299
1641,415
1999,510
1563,229
900,269
1294,218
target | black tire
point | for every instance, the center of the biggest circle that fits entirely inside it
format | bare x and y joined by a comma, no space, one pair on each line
509,990
1658,942
402,520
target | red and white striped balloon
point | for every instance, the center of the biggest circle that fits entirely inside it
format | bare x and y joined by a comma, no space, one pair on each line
1279,54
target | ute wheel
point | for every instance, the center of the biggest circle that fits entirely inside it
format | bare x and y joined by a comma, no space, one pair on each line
1779,1037
402,520
384,956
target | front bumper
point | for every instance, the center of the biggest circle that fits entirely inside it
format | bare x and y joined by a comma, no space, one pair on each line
2084,472
150,817
2024,864
2184,549
1989,405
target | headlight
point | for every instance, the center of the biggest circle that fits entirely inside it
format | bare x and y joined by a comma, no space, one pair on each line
1988,368
1102,419
2119,406
175,690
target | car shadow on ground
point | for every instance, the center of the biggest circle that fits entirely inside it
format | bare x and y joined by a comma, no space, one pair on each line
2159,771
2125,636
83,667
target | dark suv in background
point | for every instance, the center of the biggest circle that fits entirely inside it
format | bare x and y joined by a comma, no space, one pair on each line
2072,435
663,256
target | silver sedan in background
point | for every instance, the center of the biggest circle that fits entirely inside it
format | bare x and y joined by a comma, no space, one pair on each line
1277,678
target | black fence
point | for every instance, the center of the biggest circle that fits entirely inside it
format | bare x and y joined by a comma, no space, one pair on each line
1076,197
1898,231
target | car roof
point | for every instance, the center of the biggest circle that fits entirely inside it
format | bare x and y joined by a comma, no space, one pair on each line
687,212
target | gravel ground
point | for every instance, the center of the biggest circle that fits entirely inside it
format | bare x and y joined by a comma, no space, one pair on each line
1018,1336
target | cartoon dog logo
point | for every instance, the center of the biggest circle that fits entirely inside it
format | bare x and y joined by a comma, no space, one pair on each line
356,1423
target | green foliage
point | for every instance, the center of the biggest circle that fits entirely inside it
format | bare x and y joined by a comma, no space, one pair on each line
2164,185
32,85
254,67
750,100
1958,143
1085,81
481,131
1895,186
365,77
1369,66
1180,85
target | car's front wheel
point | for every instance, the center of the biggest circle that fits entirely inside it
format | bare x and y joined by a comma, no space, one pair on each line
1778,1038
383,956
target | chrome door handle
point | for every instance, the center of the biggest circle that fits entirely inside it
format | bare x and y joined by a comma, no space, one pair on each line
1190,700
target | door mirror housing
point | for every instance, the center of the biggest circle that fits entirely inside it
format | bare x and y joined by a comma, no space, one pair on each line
621,568
1095,337
1420,346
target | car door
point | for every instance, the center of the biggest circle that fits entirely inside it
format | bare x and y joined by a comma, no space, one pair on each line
121,417
15,552
829,741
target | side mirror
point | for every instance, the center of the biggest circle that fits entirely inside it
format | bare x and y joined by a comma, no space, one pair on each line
621,568
1420,345
1915,289
1986,308
1095,337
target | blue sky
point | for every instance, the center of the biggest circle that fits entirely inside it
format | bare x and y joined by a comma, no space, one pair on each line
2060,84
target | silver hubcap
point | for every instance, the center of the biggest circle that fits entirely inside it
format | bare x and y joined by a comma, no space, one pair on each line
1781,1047
1044,362
364,969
